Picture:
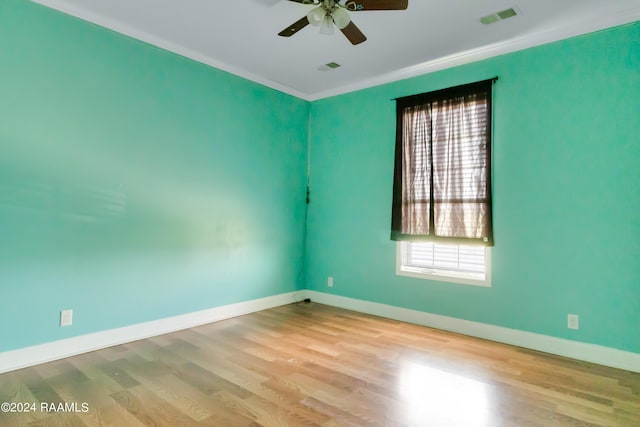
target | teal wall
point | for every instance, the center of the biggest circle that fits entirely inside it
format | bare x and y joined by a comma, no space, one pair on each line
566,193
136,184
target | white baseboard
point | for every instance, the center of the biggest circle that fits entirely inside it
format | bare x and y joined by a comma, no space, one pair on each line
42,353
576,350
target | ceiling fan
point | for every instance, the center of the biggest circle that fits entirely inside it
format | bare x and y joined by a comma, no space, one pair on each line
328,13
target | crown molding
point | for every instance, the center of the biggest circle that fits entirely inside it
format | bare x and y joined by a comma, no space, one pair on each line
598,23
129,31
590,24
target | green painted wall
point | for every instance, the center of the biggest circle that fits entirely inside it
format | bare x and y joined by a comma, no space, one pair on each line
566,193
136,184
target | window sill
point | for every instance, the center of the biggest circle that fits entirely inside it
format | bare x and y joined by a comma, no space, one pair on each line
435,275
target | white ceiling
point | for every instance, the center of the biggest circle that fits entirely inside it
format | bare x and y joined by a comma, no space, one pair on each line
240,36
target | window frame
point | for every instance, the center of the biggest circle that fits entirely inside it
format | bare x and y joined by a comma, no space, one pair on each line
441,275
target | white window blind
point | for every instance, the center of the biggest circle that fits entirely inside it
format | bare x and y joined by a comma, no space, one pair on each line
446,262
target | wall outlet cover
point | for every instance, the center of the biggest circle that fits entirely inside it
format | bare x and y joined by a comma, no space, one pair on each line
66,317
573,321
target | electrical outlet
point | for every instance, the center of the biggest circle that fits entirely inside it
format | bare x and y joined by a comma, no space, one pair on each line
330,282
573,321
66,317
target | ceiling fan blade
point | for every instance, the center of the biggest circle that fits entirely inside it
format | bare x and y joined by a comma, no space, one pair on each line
295,27
362,5
353,33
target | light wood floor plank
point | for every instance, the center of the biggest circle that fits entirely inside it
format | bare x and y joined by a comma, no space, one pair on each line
314,365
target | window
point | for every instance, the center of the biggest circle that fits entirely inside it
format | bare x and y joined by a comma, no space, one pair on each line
442,182
469,265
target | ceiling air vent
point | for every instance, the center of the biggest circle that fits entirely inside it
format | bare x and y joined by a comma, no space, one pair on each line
329,66
499,16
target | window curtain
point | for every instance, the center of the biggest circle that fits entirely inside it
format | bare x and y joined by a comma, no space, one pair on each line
442,177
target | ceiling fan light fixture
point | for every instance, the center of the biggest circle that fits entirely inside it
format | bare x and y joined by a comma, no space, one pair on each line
341,18
328,14
316,15
327,25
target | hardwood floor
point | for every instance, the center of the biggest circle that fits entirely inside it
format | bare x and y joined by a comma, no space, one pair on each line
314,365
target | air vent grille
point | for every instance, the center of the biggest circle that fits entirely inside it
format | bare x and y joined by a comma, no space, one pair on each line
499,16
328,67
